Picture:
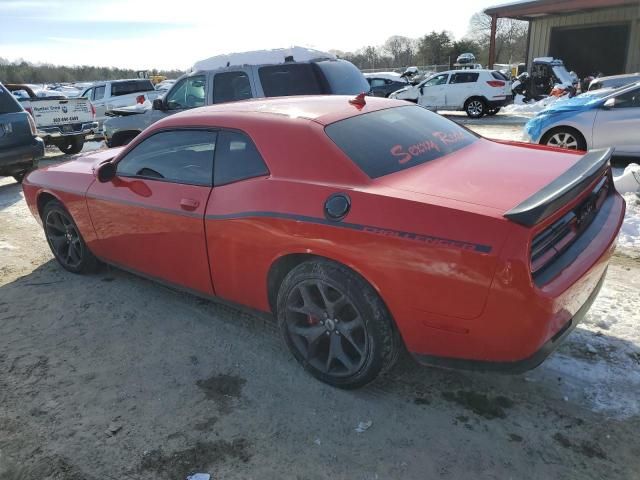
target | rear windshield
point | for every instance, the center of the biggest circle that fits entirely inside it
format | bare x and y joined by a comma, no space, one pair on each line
290,79
387,141
330,77
499,75
343,77
131,86
8,104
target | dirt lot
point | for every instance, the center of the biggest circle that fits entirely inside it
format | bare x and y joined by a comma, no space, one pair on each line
110,376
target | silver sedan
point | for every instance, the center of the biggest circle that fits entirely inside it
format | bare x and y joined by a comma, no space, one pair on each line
599,120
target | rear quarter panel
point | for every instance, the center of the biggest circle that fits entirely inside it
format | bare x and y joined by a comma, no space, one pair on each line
431,264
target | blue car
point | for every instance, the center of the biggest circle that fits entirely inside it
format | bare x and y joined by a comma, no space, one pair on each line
607,118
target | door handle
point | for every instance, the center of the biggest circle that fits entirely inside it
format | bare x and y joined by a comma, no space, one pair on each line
189,204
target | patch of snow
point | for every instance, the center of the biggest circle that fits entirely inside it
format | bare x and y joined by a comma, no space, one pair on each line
386,75
599,361
261,57
629,237
518,107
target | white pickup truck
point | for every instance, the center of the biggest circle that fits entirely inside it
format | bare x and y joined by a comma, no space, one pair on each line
107,96
60,121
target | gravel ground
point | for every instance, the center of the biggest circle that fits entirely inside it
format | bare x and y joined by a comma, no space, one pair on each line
110,376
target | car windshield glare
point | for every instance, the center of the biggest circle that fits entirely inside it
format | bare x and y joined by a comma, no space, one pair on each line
394,139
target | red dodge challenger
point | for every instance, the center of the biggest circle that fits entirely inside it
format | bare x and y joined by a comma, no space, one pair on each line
365,225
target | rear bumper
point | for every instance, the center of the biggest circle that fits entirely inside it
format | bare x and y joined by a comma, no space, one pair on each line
523,320
67,130
508,100
528,363
19,158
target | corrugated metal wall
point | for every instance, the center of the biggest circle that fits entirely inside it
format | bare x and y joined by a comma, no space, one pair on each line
540,35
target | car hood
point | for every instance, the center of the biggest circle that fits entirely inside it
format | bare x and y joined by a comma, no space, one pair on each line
486,173
560,110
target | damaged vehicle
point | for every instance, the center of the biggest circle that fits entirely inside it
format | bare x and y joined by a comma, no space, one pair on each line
599,119
346,219
241,76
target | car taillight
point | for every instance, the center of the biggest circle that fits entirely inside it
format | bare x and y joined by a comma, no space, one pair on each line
93,110
555,239
32,123
140,99
496,83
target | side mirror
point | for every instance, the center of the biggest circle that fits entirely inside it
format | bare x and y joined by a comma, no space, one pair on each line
158,104
421,90
106,172
610,103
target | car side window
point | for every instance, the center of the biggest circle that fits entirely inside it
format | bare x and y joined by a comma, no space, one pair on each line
231,86
464,77
237,158
188,93
88,93
98,93
437,80
628,100
180,156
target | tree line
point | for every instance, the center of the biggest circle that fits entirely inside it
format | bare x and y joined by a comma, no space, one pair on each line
435,48
25,72
440,48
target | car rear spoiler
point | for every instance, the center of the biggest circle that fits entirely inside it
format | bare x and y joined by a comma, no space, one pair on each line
562,190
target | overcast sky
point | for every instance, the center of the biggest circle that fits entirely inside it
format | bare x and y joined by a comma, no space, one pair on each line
175,34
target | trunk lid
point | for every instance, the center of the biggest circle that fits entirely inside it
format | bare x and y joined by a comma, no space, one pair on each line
487,173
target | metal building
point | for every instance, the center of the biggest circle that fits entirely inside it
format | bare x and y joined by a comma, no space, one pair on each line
589,35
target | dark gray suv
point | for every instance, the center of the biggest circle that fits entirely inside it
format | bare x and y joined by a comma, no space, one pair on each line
20,148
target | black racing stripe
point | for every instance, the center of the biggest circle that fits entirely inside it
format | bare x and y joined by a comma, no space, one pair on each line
417,237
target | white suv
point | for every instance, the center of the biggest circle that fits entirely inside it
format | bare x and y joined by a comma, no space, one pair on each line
478,92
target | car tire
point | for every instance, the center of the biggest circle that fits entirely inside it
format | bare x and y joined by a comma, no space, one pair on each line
335,324
71,145
475,107
564,137
18,177
65,240
493,111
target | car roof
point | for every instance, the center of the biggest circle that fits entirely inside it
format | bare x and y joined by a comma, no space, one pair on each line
615,77
322,109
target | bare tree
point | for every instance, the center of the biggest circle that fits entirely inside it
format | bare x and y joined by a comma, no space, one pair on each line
511,37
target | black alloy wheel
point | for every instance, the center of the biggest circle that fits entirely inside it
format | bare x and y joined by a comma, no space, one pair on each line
335,324
326,328
65,241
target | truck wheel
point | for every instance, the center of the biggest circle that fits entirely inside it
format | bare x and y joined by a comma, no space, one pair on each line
71,145
475,107
18,177
336,325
